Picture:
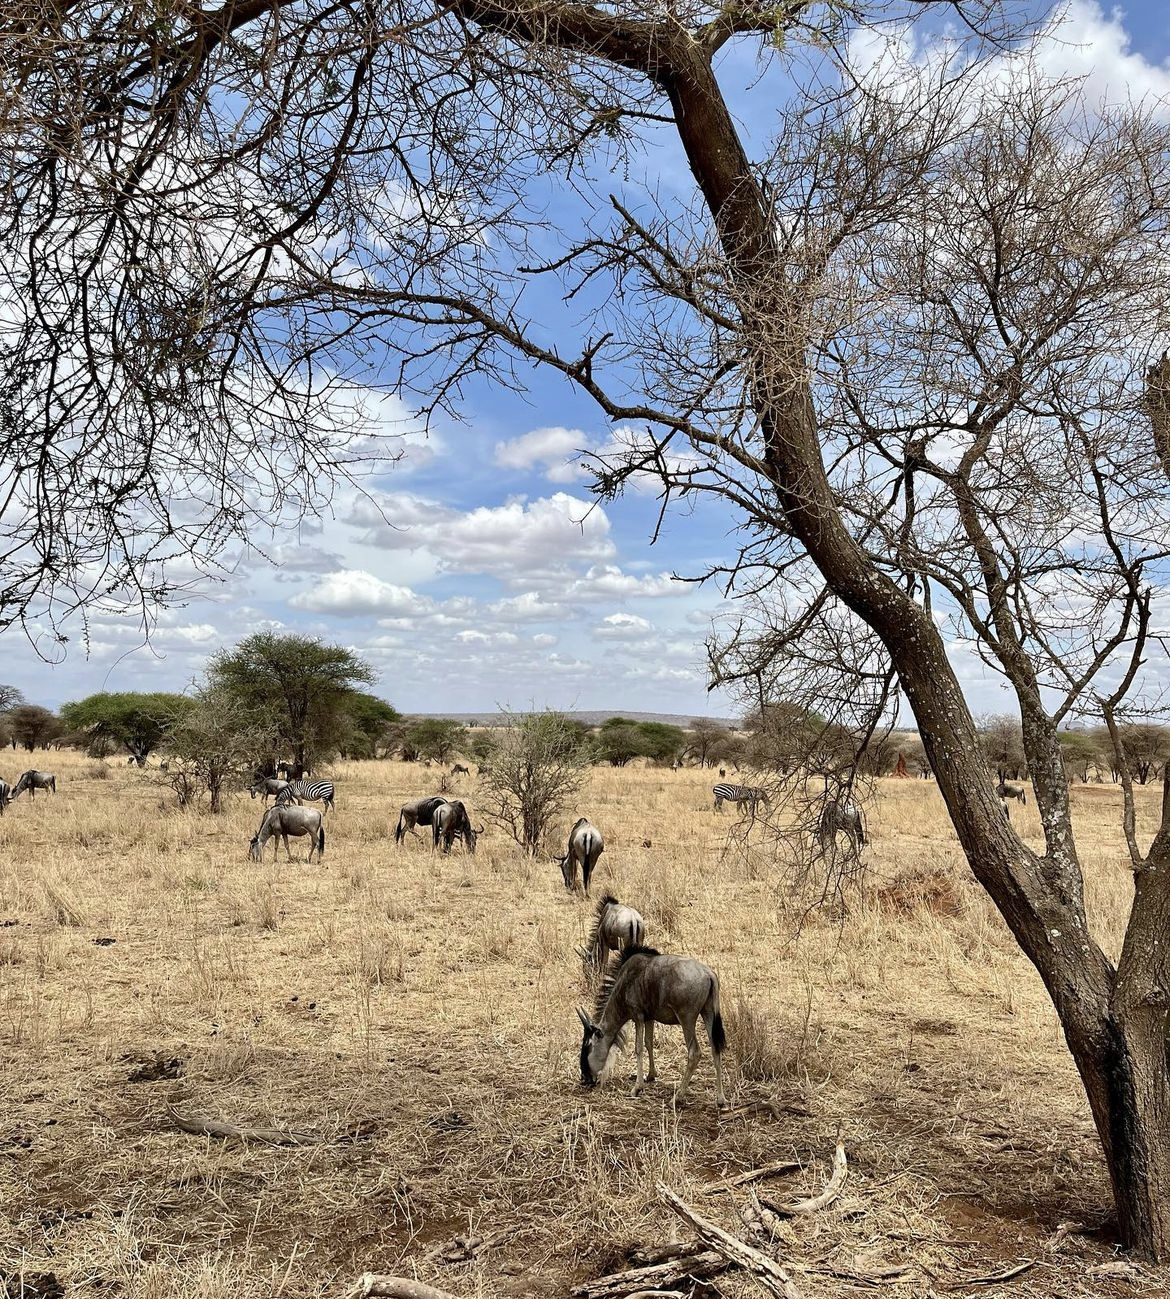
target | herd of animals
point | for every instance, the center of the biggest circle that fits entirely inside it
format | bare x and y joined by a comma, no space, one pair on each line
639,984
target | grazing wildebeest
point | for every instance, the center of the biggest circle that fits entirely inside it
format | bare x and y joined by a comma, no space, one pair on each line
268,787
615,928
449,822
739,794
32,781
585,846
283,820
5,795
291,771
420,812
650,989
460,770
313,790
841,817
1004,790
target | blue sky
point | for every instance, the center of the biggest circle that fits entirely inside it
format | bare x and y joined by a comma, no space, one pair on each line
498,580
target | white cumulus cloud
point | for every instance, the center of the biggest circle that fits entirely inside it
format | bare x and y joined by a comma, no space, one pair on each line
623,626
352,593
551,449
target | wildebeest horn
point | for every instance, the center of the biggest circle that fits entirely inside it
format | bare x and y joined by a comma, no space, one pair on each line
479,830
584,1018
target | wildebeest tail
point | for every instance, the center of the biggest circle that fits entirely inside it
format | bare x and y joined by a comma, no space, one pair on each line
718,1034
321,842
401,827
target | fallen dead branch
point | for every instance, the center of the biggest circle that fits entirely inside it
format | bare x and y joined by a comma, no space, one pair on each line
210,1125
656,1279
1005,1274
833,1188
649,1255
775,1169
464,1249
371,1285
766,1270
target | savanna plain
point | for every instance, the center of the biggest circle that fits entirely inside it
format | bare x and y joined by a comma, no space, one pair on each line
413,1016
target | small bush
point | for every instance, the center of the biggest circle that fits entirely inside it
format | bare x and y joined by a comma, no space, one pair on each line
927,889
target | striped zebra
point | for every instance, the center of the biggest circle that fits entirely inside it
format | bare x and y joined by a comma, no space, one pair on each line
739,794
313,790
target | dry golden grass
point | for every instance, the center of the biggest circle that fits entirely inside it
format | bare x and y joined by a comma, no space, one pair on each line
417,1013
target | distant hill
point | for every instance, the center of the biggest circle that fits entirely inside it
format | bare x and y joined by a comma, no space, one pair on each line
588,718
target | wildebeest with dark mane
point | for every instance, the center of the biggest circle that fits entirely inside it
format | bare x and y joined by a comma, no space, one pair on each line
285,819
420,812
32,781
650,988
615,927
449,822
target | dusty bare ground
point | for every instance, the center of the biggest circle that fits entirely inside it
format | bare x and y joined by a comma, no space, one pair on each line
412,1017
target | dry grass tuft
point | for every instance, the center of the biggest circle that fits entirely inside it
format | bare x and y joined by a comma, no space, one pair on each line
922,890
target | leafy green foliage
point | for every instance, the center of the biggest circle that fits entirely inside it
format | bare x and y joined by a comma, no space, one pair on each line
137,721
437,738
370,718
303,688
619,740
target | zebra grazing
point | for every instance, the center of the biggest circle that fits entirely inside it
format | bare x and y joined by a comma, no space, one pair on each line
841,817
650,989
32,781
313,790
284,820
460,770
739,794
450,822
268,787
1004,790
615,928
420,812
585,846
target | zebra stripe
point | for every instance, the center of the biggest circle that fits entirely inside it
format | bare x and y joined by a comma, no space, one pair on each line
738,794
314,790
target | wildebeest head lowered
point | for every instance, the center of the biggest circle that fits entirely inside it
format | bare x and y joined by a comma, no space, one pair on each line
585,846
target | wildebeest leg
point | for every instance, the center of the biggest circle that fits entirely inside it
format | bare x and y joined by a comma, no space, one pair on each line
718,805
639,1034
587,871
692,1041
650,1050
287,849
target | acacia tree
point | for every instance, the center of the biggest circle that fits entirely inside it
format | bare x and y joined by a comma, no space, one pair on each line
30,725
904,336
302,687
